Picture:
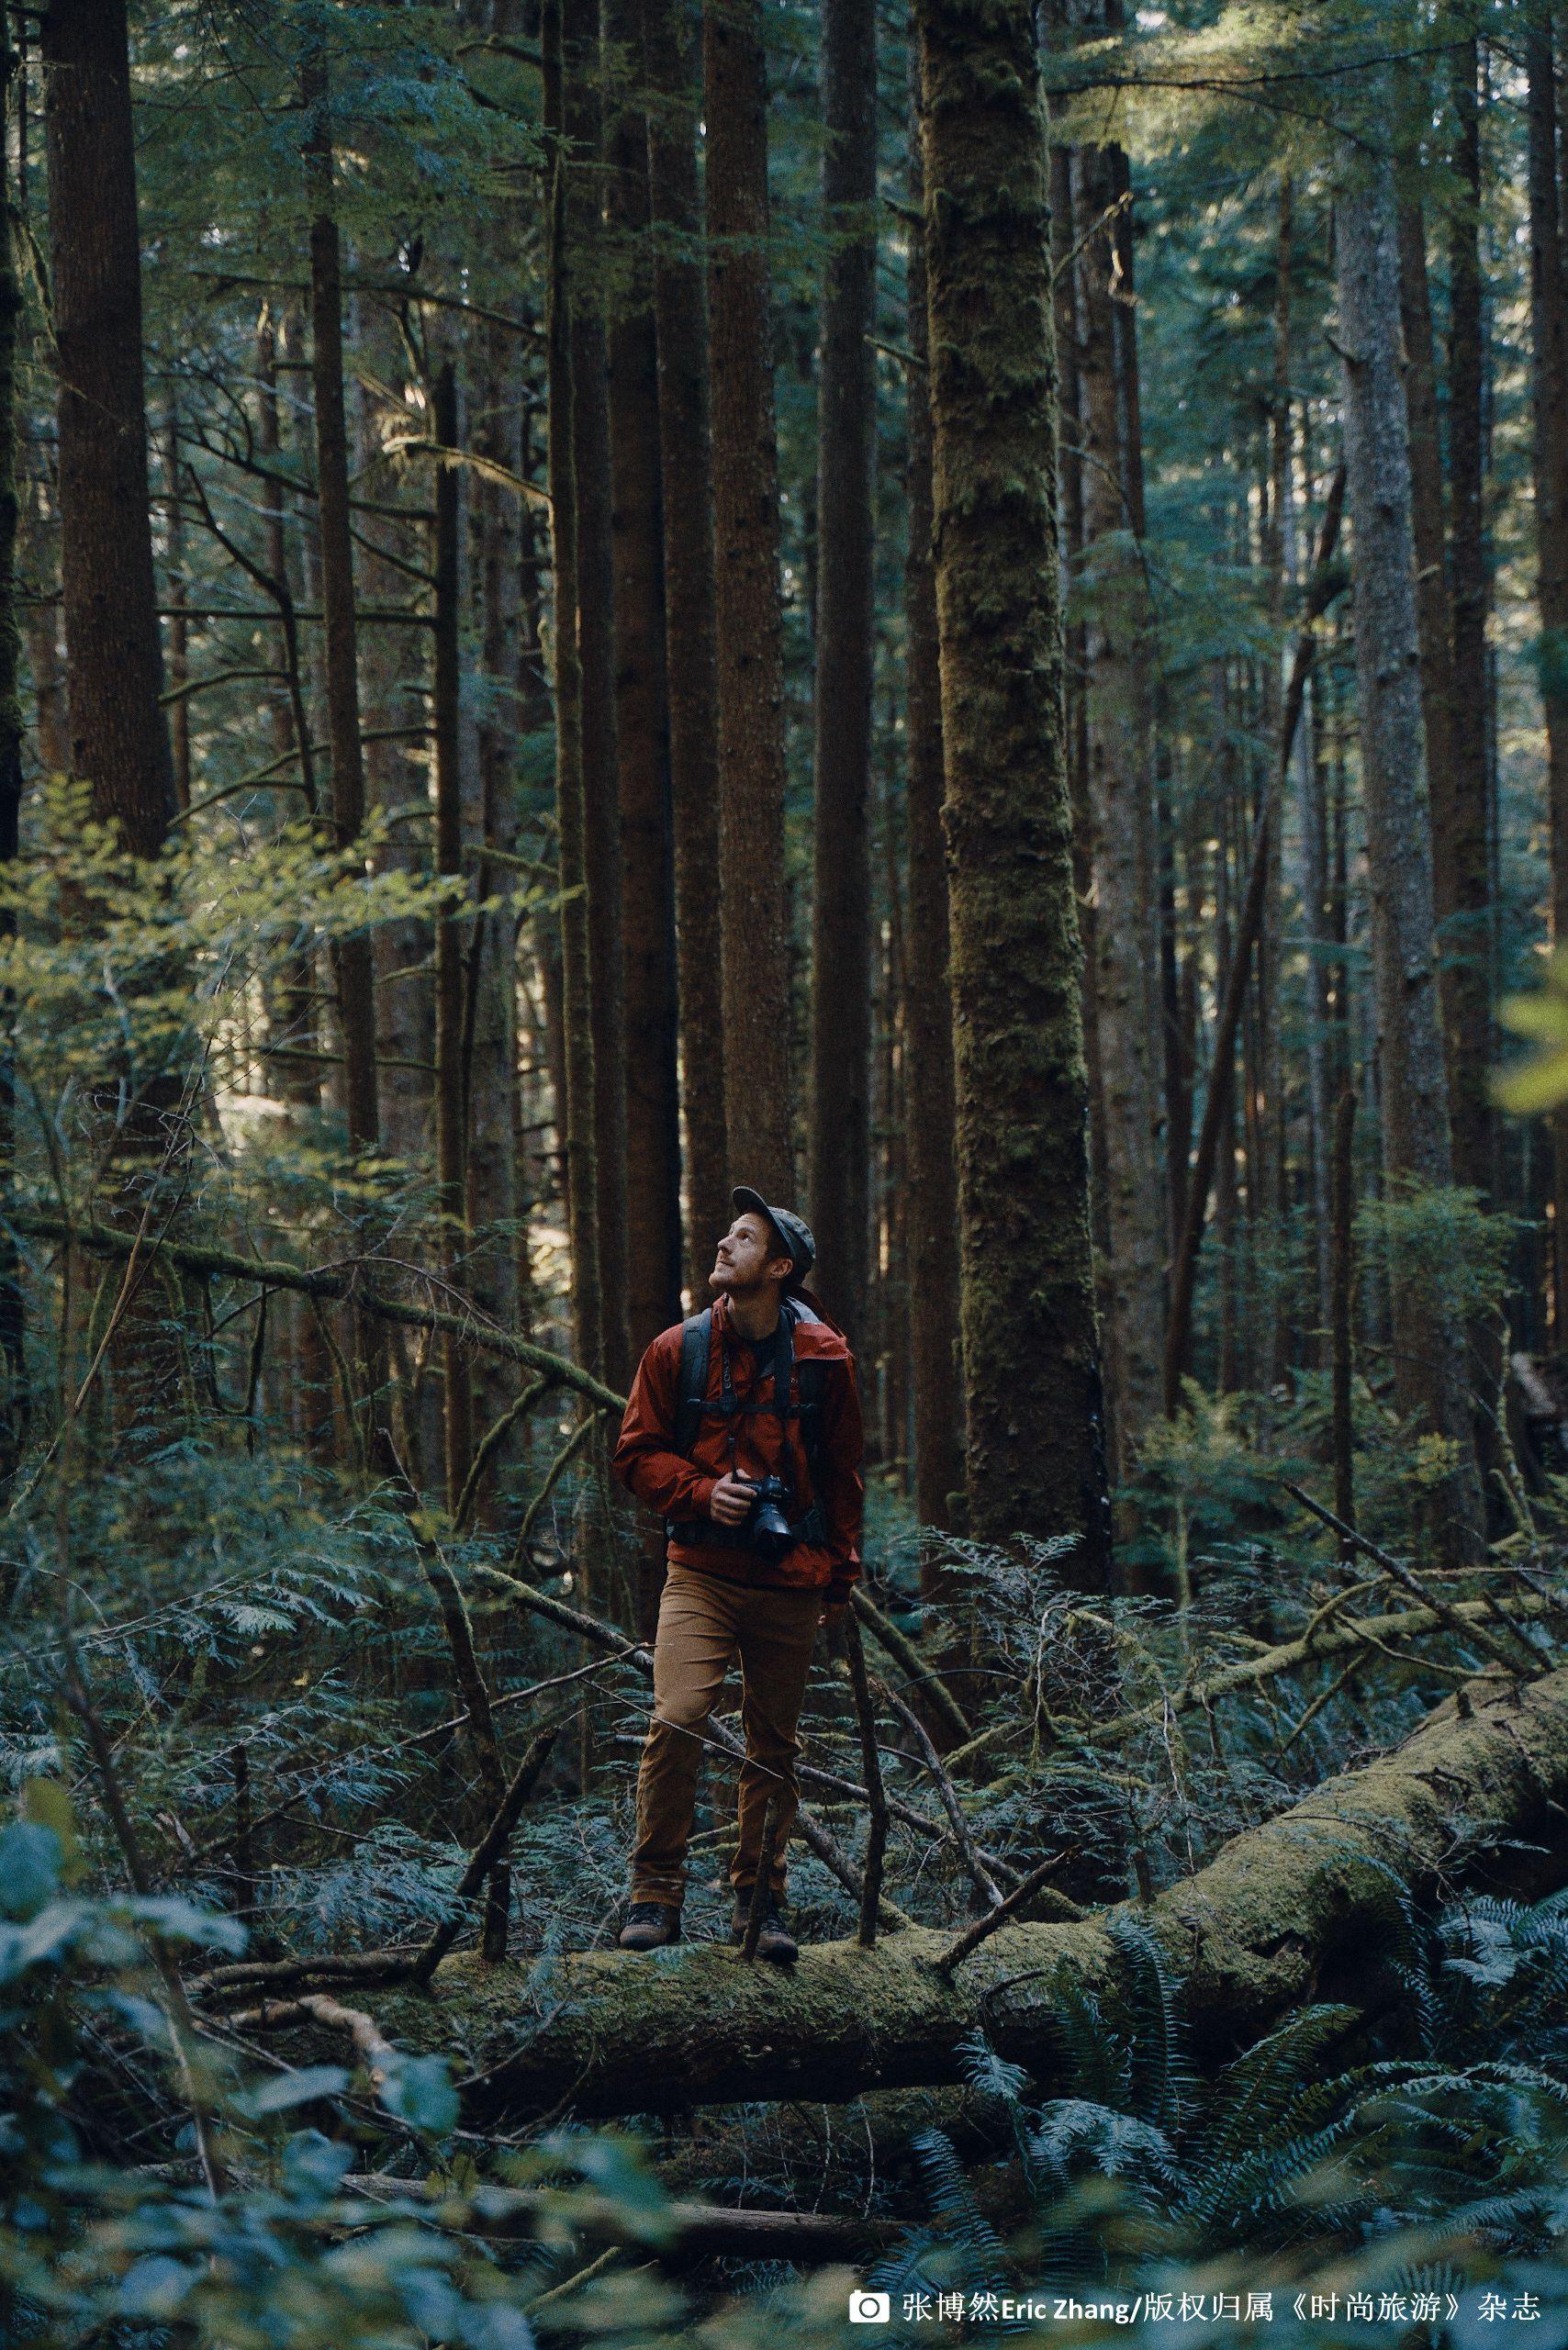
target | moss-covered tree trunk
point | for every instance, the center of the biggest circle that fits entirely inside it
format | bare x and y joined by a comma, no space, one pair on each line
1118,694
686,469
750,633
1035,1459
845,633
930,1112
1428,1339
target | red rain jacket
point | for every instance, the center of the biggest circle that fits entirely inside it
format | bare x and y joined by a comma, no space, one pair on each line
648,1465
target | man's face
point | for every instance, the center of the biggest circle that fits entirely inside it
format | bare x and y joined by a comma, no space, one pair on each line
748,1255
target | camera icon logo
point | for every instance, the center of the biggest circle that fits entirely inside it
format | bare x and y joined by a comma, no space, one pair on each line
870,2309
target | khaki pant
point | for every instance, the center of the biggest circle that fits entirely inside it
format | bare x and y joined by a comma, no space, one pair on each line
704,1623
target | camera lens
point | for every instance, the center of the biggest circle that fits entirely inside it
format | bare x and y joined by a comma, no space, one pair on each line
770,1530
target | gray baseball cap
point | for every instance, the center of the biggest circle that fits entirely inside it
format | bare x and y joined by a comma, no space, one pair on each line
794,1232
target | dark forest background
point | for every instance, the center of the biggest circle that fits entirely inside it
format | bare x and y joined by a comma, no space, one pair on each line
958,611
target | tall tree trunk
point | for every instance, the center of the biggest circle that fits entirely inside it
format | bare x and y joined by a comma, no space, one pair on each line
14,1393
1549,375
1064,241
451,1186
686,461
642,711
596,650
1120,744
495,1170
1313,809
932,1206
308,1402
1433,609
179,624
1035,1459
1460,812
50,721
577,1008
845,646
1428,1383
1274,1331
890,1124
352,958
1221,1105
750,636
120,740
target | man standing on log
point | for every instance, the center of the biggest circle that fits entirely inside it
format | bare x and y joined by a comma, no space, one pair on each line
742,1431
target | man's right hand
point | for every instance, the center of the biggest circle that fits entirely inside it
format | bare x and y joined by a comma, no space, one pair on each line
730,1502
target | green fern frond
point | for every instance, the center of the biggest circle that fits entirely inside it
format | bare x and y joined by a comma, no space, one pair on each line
1119,2144
1265,2087
1164,2082
1096,2060
970,2234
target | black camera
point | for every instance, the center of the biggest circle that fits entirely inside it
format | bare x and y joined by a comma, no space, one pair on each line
766,1527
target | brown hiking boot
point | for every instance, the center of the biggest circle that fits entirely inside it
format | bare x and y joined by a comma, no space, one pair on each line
776,1941
650,1925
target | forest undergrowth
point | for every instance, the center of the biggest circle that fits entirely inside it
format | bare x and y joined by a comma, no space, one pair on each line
229,1695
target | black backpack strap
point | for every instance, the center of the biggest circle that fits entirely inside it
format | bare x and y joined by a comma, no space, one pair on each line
811,1378
696,1346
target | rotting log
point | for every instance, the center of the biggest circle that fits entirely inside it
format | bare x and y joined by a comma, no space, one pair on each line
1301,1908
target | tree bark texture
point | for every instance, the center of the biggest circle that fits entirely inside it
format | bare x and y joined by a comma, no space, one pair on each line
120,740
750,636
1035,1457
1119,712
846,645
930,1110
1294,1910
642,711
1429,1361
686,465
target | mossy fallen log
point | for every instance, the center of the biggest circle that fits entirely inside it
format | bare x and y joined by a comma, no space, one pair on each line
1310,1905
